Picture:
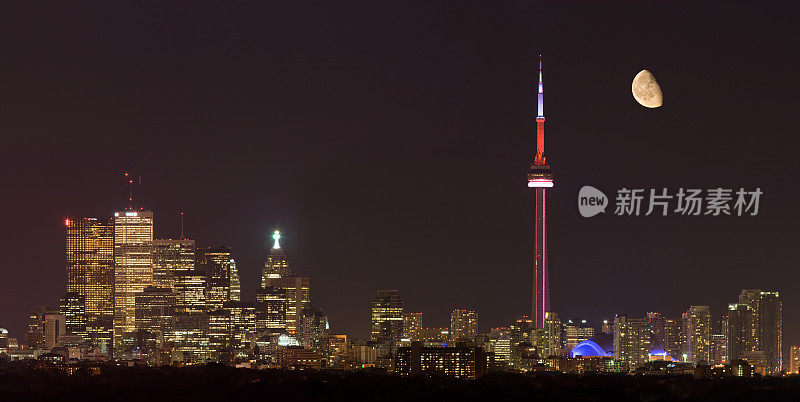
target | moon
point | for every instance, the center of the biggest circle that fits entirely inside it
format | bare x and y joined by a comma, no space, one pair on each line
646,90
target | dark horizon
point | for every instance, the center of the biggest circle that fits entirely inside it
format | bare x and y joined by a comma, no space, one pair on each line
389,143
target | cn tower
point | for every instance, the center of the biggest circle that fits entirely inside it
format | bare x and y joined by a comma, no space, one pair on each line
540,178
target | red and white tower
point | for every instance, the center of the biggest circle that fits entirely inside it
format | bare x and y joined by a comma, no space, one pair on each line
540,178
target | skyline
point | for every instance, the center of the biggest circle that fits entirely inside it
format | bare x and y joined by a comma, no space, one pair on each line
329,182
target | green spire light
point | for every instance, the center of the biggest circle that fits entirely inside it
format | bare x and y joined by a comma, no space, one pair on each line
277,236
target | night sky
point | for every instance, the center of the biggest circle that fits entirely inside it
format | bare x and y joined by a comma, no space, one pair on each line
390,143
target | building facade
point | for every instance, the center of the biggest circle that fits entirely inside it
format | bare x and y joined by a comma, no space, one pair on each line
133,268
387,316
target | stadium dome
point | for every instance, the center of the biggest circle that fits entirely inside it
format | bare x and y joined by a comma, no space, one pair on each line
601,345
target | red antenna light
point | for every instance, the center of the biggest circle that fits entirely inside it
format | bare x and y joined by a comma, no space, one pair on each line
66,222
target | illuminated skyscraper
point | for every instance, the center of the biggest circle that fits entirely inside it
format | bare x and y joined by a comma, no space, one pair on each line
54,329
133,267
215,263
540,178
739,329
770,328
632,340
271,310
170,256
190,291
276,265
155,309
412,323
463,325
697,333
236,285
794,360
387,316
575,332
73,307
297,291
90,274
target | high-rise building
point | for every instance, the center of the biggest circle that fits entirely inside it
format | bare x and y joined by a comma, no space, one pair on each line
673,337
500,344
540,178
297,291
549,339
794,360
657,324
387,316
155,309
215,263
34,338
313,327
412,322
739,327
190,291
632,341
459,362
73,307
90,274
170,256
463,325
243,323
577,331
697,333
236,285
718,350
765,332
271,310
133,268
276,265
770,330
54,329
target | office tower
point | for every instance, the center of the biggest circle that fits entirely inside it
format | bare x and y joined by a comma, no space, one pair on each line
434,335
387,316
297,292
313,327
133,268
236,285
697,330
739,327
55,328
190,337
243,323
90,273
155,309
276,265
271,310
794,360
412,322
770,330
500,344
170,256
632,341
520,331
190,291
575,332
34,338
463,325
73,307
334,351
540,178
215,263
220,335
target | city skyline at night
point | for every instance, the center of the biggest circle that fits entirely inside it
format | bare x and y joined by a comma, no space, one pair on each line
339,187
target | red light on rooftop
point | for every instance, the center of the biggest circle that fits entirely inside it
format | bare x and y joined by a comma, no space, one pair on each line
66,222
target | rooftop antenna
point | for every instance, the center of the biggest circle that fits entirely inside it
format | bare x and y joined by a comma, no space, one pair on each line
182,238
128,183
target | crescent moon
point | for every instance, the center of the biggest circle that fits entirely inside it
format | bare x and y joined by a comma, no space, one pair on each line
646,90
